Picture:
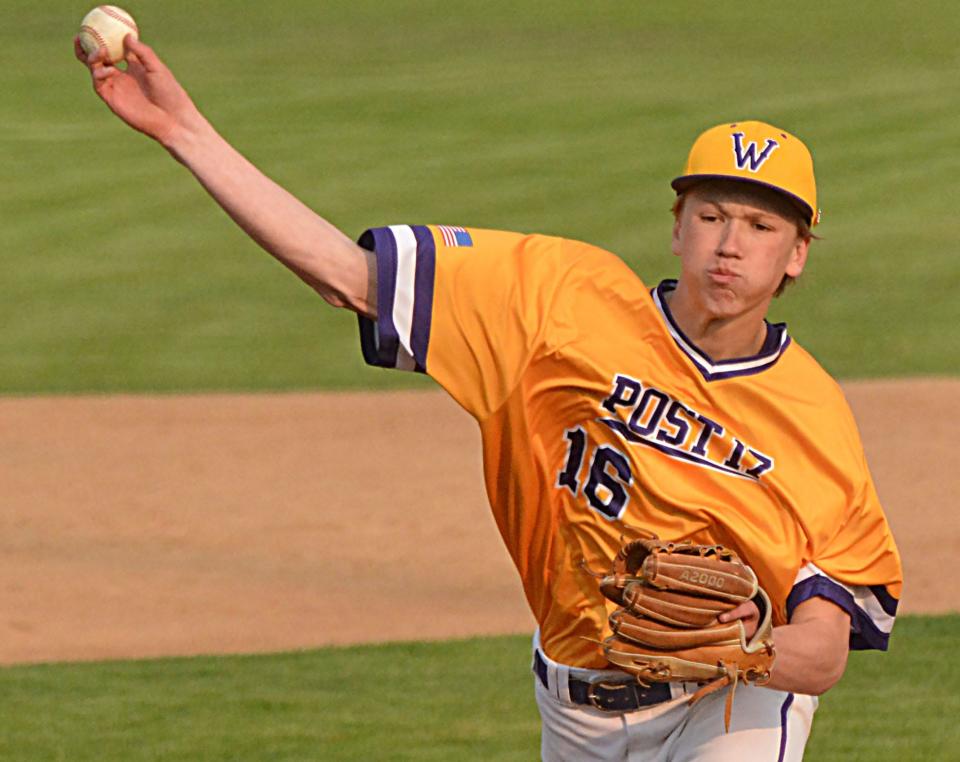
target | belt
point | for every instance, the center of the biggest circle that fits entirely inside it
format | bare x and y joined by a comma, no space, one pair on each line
610,695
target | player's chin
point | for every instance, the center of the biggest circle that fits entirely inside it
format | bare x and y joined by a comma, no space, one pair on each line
723,297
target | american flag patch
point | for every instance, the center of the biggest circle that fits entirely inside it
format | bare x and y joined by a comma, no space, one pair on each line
455,236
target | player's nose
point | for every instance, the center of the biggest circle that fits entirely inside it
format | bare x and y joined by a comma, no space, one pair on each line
729,243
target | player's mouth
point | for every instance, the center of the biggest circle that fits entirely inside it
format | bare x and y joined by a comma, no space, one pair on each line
721,275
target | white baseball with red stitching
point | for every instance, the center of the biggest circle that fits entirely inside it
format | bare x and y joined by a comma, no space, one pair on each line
105,27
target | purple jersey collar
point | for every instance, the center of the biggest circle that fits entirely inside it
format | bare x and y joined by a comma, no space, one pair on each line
774,345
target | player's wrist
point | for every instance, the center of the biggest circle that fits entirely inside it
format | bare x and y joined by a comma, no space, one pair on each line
187,140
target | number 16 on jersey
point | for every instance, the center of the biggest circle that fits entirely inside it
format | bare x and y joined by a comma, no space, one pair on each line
608,477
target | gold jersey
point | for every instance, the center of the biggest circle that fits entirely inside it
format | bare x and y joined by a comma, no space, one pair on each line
601,420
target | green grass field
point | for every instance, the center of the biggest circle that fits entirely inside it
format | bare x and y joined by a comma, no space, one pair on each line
567,118
461,700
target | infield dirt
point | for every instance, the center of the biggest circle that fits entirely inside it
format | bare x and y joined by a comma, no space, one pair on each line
149,526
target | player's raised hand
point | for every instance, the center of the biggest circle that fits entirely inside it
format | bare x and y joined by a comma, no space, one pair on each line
146,95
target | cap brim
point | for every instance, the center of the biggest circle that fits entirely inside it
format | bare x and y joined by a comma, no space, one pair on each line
685,182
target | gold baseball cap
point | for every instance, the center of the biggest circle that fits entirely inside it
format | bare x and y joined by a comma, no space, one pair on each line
756,152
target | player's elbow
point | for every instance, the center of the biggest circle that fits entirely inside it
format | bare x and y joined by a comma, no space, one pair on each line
340,298
338,293
332,296
349,281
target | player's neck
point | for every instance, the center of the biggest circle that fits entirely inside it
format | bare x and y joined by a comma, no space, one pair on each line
720,337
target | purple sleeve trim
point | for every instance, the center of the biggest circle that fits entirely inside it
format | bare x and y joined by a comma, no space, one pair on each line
379,341
423,295
864,634
887,602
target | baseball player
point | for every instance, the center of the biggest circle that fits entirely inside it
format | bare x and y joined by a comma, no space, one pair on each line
604,406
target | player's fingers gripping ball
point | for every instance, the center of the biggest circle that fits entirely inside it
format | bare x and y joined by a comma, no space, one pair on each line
667,629
104,29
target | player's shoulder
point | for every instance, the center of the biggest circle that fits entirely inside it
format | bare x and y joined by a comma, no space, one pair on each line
448,236
581,260
497,256
542,251
815,377
812,388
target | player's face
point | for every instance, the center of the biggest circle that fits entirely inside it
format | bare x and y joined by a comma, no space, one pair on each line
734,252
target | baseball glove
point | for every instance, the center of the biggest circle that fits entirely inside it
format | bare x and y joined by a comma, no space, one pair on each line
666,629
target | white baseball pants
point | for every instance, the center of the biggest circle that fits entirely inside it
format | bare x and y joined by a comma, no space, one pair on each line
766,725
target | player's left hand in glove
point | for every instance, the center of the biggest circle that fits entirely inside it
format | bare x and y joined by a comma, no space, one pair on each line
667,627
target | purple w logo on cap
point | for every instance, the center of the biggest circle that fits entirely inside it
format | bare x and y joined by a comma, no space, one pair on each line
750,156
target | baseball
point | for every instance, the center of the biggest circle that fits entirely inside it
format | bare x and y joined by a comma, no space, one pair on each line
105,27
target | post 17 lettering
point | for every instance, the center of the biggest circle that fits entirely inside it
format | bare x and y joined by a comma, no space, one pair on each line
647,416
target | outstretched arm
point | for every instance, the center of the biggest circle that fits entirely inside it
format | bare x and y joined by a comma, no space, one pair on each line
149,98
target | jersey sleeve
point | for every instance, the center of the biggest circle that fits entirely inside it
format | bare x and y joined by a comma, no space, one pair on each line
859,569
470,307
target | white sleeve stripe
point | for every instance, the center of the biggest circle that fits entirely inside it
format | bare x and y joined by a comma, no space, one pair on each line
404,293
863,597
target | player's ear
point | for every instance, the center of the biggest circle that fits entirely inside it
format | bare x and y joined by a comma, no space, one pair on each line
676,235
798,257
